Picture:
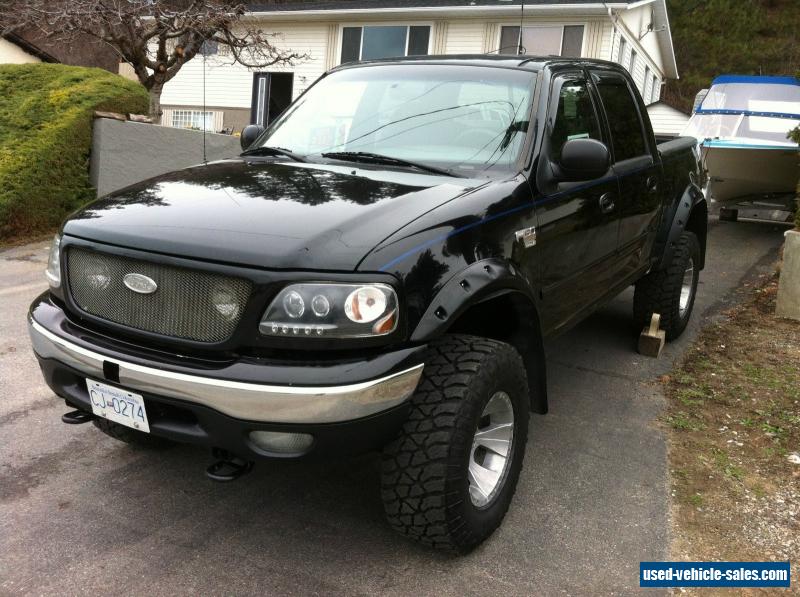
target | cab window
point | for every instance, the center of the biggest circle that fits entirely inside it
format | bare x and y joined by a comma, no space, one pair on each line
627,134
575,117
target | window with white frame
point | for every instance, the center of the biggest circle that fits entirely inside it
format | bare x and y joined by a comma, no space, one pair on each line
384,41
623,45
656,90
646,89
632,63
561,40
193,119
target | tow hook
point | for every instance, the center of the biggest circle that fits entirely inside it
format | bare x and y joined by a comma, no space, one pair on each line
76,417
228,467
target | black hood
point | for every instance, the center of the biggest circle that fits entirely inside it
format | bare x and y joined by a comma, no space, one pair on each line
281,215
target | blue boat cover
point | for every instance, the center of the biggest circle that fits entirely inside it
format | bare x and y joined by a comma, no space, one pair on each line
725,79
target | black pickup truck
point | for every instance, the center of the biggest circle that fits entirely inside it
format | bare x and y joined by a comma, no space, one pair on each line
378,270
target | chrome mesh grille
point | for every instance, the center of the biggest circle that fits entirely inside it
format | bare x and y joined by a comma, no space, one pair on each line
183,306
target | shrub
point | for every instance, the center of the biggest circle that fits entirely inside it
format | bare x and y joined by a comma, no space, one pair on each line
45,139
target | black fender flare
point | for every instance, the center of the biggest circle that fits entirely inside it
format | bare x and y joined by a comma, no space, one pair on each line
691,202
480,283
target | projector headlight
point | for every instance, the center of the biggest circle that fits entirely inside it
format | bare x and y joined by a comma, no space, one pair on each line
53,271
327,310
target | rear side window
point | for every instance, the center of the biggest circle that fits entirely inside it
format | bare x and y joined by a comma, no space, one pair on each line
575,117
627,134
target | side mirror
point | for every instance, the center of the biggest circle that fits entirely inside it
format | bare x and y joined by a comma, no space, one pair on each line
250,134
583,159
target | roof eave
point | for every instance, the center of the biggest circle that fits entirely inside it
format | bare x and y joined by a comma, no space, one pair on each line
592,8
664,33
30,48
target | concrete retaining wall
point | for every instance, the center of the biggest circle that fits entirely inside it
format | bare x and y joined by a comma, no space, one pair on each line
789,288
124,153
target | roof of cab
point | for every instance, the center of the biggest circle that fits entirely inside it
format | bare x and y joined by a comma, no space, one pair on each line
533,63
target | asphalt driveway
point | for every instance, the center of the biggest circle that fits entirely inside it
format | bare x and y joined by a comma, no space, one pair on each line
80,513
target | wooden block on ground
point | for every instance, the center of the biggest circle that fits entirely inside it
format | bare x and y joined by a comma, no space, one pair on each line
652,339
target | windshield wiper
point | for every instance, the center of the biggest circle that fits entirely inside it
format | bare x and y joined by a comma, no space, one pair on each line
376,158
266,150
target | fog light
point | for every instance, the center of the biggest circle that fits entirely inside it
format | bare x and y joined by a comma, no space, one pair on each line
225,302
282,443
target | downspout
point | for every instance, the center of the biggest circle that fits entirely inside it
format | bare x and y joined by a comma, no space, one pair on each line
613,18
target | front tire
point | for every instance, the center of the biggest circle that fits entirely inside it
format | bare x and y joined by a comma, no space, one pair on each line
448,479
671,291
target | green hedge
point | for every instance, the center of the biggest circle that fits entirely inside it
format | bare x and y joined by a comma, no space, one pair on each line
45,138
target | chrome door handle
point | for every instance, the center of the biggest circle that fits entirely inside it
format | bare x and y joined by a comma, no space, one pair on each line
652,184
607,203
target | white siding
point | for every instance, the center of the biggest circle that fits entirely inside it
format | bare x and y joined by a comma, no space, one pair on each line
11,53
667,121
607,42
632,25
230,85
465,37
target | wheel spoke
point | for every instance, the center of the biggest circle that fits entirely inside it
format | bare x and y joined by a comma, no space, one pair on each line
483,479
496,438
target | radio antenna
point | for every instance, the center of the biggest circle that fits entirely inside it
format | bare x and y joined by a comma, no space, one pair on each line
205,121
521,19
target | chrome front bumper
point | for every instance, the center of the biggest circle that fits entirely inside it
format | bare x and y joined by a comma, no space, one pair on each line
248,401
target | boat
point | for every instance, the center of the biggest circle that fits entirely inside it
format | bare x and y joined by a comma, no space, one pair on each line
742,126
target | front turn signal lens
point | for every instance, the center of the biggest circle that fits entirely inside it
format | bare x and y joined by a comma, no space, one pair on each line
53,271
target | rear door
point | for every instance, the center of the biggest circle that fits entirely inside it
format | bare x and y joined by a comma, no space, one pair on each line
578,225
636,167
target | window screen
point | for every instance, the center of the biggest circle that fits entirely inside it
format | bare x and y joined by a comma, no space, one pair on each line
622,47
509,37
193,119
351,44
623,117
418,40
371,43
575,118
573,41
542,41
383,42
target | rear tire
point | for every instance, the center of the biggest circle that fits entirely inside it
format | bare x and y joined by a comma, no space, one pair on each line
445,481
131,436
671,291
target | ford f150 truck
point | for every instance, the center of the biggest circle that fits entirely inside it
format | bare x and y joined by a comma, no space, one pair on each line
377,270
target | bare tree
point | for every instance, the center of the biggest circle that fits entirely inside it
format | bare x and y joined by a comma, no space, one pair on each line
156,37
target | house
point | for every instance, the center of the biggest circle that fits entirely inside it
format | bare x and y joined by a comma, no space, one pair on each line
22,47
667,122
331,32
16,50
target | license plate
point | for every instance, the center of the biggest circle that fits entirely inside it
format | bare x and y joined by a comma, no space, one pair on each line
118,405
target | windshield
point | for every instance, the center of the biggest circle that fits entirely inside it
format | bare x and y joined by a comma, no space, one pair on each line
467,120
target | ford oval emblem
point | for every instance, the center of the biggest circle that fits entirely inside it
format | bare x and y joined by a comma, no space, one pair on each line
140,283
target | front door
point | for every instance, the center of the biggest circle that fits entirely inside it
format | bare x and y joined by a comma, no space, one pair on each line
578,224
272,94
638,172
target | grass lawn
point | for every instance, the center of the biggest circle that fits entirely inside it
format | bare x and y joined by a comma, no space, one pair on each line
734,432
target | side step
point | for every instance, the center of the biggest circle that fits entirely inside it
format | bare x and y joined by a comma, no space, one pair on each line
228,467
76,417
